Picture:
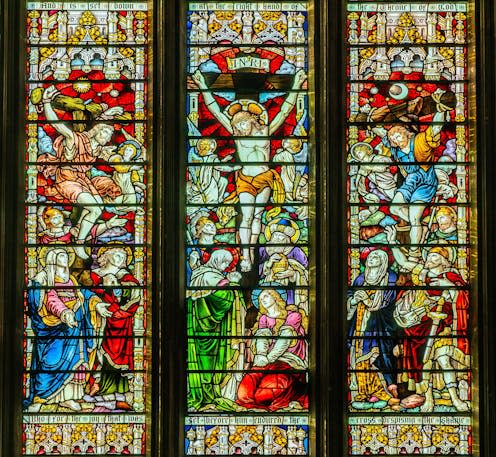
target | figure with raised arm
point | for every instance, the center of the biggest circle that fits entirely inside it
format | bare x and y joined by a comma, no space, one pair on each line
415,154
75,154
255,181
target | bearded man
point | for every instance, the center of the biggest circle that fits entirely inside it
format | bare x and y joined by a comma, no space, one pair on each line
435,323
444,229
75,155
246,120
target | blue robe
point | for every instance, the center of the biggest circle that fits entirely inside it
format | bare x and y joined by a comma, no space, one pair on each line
419,185
57,349
380,329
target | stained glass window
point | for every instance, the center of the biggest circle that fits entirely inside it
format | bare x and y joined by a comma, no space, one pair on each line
85,321
410,213
247,186
247,228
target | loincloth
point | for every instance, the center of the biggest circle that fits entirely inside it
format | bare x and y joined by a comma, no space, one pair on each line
254,185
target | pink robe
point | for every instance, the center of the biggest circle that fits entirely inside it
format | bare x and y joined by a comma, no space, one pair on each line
71,180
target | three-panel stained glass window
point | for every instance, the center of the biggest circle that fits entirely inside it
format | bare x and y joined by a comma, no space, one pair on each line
248,154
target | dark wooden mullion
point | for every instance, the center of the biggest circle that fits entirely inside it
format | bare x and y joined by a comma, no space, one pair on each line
333,264
485,20
160,379
170,81
11,228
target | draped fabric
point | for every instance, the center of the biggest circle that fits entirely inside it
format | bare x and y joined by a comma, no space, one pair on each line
56,351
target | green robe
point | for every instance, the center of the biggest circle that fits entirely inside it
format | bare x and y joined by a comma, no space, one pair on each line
211,315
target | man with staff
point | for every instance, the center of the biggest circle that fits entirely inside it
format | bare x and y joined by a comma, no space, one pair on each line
415,153
435,323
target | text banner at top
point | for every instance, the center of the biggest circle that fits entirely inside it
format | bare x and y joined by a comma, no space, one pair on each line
408,7
88,6
249,6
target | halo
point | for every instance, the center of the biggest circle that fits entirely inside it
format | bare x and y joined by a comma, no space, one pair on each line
194,219
42,254
402,94
116,245
136,145
250,106
211,141
285,222
300,143
448,209
359,144
451,252
256,293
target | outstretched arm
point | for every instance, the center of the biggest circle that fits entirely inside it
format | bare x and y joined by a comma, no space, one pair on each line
380,132
212,105
289,103
442,114
398,255
111,113
48,95
439,118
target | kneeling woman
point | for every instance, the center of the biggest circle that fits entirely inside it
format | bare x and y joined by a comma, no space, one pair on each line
276,387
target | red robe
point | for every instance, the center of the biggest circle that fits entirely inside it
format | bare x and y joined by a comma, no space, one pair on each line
416,337
269,389
117,340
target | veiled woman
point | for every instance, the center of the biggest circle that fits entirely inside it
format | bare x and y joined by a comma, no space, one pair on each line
212,313
65,322
370,311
